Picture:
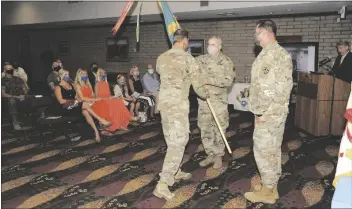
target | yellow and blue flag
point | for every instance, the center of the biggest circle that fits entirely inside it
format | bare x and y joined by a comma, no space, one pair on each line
170,20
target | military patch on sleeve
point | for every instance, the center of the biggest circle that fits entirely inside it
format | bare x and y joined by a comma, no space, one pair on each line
266,70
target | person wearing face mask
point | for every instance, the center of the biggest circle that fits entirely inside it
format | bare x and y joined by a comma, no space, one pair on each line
60,63
151,85
178,70
147,102
53,78
92,73
116,109
72,104
13,89
270,88
121,91
218,70
86,94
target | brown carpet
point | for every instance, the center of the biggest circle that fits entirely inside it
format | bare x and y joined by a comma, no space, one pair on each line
122,171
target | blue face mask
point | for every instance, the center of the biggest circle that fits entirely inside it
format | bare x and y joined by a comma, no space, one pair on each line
84,78
102,77
66,78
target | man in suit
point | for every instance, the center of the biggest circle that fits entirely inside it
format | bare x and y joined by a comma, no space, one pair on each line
343,63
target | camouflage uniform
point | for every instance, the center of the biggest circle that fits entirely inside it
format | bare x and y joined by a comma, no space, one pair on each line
270,89
219,74
177,70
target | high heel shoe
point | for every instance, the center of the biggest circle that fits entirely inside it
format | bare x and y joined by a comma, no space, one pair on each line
105,126
106,133
134,119
124,129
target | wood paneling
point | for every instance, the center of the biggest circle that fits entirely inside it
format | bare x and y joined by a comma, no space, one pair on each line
313,104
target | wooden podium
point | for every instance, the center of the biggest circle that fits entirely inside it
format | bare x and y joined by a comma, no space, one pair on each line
314,100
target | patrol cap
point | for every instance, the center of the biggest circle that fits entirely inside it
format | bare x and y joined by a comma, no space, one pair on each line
180,34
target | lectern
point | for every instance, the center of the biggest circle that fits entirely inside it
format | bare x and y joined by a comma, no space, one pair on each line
315,102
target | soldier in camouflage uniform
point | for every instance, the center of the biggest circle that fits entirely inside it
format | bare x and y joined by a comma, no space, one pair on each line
270,89
219,74
177,70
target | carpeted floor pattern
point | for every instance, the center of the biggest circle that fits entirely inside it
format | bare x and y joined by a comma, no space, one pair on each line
122,171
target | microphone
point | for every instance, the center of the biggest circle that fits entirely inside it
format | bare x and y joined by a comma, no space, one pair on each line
325,61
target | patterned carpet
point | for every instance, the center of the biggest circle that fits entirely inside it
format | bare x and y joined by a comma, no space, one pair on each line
122,171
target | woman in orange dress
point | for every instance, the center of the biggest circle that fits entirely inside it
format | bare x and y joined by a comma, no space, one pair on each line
118,113
86,94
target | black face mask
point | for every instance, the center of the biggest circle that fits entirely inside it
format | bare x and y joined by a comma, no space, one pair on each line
9,72
57,68
95,69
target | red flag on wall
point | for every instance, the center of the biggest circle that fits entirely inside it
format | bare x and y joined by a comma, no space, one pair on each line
122,17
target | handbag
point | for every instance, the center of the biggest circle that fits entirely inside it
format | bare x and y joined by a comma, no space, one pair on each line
142,117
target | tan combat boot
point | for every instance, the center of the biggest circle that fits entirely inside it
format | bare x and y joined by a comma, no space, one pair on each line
180,175
209,160
265,195
162,191
217,163
259,187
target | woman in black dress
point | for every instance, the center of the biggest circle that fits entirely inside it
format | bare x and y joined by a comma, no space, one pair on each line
135,85
72,105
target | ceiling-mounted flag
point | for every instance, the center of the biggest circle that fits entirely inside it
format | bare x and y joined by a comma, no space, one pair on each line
122,17
170,20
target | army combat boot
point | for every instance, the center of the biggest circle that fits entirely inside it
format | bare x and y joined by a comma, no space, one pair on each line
180,175
209,160
264,195
162,191
259,187
217,163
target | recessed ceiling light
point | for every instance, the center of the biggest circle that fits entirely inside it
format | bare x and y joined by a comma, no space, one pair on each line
289,10
271,13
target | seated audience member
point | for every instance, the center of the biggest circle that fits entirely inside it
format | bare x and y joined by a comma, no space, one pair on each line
136,88
116,110
60,63
19,72
121,91
86,94
53,78
65,93
151,84
13,89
